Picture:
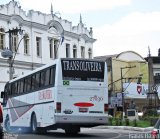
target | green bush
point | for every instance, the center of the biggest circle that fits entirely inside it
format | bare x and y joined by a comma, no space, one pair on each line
153,121
120,122
126,121
110,121
135,123
150,113
117,121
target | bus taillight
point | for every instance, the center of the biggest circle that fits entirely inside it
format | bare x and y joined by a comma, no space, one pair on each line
105,108
58,107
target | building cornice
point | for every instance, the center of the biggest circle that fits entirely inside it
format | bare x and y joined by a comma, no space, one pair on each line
32,20
4,62
22,22
77,36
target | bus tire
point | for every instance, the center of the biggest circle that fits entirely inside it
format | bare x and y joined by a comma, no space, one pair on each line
34,128
7,124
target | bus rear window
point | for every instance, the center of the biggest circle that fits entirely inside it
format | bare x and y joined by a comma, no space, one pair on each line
83,70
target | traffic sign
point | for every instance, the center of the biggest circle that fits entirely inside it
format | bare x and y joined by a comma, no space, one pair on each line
154,88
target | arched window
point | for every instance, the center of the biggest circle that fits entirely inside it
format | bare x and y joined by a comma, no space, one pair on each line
2,37
74,51
90,53
26,44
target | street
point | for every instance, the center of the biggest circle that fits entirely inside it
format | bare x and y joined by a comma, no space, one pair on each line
86,133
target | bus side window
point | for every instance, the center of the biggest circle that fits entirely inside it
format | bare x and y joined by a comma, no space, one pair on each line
9,90
18,87
33,86
47,77
28,81
52,75
25,85
5,94
42,78
37,80
13,88
22,85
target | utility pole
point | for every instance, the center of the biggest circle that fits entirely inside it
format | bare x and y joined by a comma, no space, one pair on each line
122,68
152,95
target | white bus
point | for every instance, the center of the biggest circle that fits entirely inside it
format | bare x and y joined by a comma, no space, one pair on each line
67,94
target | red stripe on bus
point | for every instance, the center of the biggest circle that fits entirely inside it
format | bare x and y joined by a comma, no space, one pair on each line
83,104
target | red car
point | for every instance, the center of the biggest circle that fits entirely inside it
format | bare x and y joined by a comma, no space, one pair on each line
1,121
156,131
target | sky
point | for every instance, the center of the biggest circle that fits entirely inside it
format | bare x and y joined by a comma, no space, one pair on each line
118,25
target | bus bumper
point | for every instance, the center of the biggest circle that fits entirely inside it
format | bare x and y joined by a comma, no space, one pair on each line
81,119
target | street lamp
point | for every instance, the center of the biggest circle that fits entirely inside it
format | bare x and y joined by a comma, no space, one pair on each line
8,53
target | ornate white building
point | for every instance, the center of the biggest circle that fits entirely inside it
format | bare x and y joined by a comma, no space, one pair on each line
45,37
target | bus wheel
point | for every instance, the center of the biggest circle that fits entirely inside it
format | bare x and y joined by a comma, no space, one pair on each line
34,128
7,124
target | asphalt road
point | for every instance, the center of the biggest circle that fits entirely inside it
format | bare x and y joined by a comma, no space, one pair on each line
88,133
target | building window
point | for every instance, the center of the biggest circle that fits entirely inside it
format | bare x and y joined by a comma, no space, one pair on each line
67,50
55,49
14,42
90,53
2,37
51,47
38,46
157,74
82,52
26,44
74,51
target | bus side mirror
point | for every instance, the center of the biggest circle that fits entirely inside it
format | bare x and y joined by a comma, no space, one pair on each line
2,94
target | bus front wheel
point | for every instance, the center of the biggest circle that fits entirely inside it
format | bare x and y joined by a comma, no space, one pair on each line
7,124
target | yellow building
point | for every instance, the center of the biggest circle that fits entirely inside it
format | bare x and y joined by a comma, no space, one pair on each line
126,67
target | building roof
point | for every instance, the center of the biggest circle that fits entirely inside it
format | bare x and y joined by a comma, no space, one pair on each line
126,55
105,57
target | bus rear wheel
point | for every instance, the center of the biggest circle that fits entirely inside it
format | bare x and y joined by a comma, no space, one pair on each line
34,128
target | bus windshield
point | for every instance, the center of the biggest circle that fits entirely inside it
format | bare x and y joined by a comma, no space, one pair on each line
82,70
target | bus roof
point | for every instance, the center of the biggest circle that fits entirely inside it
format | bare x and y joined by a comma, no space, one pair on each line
48,65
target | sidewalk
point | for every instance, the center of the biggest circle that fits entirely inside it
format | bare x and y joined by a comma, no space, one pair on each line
126,128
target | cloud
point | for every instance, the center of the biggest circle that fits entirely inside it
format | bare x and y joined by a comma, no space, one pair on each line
73,6
133,32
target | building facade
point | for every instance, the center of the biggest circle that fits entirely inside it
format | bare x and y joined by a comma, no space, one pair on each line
127,72
44,38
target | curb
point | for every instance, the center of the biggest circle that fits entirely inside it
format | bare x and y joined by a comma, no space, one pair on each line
126,128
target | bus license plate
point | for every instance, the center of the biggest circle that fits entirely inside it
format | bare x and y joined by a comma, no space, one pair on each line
83,109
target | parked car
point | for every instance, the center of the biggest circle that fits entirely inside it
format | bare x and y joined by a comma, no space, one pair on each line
1,122
156,131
